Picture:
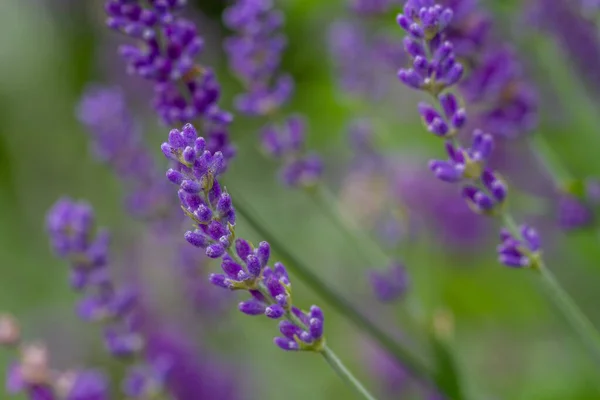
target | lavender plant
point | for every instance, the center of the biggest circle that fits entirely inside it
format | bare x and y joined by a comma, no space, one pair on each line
245,267
435,70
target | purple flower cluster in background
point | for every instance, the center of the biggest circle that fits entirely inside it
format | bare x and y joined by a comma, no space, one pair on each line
31,374
168,46
361,59
254,54
505,101
71,229
118,141
245,267
286,143
391,284
435,69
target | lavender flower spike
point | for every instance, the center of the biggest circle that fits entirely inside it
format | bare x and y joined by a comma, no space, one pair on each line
254,54
425,23
244,266
184,91
71,229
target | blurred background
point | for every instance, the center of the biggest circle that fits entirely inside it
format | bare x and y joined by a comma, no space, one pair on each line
507,340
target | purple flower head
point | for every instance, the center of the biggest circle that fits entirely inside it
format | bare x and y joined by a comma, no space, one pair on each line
255,55
391,284
244,266
520,252
168,47
434,70
496,81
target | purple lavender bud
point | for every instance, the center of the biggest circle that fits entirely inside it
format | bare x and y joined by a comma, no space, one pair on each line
196,238
413,47
253,265
478,200
446,171
215,250
274,311
433,120
289,330
494,185
175,176
263,252
274,286
316,328
252,307
410,78
512,252
391,284
204,214
220,280
243,249
224,205
191,186
316,312
176,139
286,344
280,272
482,147
453,112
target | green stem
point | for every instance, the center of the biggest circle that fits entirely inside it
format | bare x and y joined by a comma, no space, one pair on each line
327,203
572,313
402,354
549,160
343,372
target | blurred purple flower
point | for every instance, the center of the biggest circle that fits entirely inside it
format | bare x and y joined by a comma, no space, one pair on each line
361,60
184,91
391,284
577,36
117,140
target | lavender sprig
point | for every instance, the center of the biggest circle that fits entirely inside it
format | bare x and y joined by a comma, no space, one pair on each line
245,267
434,70
168,46
254,54
72,235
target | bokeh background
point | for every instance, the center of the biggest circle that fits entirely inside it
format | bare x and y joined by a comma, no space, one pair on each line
508,341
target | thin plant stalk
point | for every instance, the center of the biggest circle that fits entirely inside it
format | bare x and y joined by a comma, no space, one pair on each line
338,366
411,361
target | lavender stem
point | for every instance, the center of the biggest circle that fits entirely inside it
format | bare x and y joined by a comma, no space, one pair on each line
549,160
415,364
343,372
326,201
